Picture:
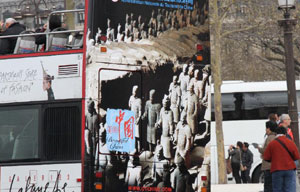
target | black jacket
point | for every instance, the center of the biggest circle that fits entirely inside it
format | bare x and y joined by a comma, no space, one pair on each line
7,45
247,158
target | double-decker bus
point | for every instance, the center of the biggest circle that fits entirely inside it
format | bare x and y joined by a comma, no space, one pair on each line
41,102
148,96
121,106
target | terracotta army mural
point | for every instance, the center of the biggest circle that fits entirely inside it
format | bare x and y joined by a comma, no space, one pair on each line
156,100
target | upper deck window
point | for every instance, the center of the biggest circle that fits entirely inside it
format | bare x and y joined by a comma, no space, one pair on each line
30,31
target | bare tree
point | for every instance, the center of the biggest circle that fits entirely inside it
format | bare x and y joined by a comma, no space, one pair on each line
224,22
258,53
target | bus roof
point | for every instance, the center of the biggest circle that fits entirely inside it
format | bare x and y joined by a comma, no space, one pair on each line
240,86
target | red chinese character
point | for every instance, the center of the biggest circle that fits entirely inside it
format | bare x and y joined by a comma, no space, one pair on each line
128,127
119,119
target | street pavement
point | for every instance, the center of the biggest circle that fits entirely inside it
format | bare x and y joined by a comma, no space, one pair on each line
237,188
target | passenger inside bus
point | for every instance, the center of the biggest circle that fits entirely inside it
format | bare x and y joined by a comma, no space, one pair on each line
12,27
54,23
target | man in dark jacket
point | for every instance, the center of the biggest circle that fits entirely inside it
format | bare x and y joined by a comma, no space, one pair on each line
235,154
7,45
247,160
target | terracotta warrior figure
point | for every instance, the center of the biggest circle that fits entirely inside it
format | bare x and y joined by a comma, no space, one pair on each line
166,122
152,110
183,138
197,84
135,105
175,97
184,81
92,125
192,110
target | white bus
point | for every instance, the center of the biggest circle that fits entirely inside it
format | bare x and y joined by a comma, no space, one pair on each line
246,106
41,121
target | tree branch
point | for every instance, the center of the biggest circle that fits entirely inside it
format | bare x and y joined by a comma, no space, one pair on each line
239,30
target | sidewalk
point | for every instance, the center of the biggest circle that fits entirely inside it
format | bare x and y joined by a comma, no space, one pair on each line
237,188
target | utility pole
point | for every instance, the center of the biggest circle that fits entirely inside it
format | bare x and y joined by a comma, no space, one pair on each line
287,24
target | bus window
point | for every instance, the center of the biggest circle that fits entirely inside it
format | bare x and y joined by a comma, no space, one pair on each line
19,133
62,133
253,105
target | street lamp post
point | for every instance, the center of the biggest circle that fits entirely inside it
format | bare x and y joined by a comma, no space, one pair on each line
287,24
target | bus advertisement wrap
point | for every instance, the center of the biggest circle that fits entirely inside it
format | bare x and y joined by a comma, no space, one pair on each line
45,78
58,177
148,96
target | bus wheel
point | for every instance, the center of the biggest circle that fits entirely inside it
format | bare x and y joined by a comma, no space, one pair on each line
258,175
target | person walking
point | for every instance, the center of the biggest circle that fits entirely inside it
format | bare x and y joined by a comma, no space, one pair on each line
266,166
282,152
235,154
247,160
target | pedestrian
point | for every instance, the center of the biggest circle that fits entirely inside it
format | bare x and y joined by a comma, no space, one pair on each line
247,160
235,154
266,166
285,121
282,152
274,117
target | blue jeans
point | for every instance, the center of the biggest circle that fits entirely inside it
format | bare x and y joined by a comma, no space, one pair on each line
284,181
268,181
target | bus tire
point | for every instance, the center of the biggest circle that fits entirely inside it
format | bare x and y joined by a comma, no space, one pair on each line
258,175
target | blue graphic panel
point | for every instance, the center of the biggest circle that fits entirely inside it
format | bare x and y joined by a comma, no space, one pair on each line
120,130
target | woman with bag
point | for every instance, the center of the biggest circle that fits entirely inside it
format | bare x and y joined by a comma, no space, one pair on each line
235,153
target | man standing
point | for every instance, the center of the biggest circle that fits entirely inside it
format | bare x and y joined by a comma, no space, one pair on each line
247,160
282,152
12,27
235,154
266,166
135,105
